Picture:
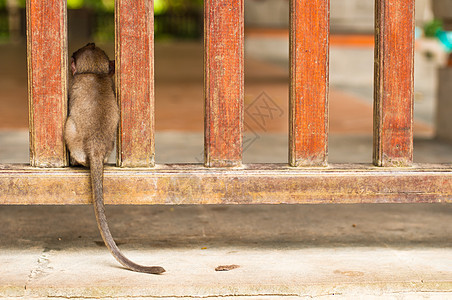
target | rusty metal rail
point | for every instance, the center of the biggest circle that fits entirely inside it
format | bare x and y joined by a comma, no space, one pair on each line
306,178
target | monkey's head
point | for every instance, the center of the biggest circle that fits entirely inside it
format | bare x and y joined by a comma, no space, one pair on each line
91,59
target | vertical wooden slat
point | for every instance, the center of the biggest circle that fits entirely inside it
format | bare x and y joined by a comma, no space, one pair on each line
393,103
309,67
135,82
223,85
47,81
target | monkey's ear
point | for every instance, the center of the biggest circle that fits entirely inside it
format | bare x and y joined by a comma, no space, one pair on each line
73,69
111,70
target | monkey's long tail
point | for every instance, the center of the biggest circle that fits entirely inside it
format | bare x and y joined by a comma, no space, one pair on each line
97,167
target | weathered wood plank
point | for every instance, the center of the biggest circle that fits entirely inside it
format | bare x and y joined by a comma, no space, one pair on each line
224,92
394,64
135,82
309,65
195,184
47,81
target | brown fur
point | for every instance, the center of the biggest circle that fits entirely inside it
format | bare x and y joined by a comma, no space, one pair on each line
90,131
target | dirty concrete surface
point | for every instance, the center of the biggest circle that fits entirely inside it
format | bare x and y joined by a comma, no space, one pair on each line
282,250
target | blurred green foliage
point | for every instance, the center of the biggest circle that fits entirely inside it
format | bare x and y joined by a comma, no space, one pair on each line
173,18
4,26
97,5
160,6
431,28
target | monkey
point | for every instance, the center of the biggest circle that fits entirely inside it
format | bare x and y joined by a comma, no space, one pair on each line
90,131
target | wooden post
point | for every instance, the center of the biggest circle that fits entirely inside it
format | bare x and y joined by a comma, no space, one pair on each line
394,63
135,82
223,85
47,81
309,66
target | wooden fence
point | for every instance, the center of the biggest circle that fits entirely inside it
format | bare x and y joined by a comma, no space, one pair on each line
306,178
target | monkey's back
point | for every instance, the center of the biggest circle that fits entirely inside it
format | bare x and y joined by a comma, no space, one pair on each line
94,113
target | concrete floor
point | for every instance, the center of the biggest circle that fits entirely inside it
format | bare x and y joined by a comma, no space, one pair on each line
350,251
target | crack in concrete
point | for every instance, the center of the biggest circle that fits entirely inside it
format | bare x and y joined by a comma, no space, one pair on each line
42,264
182,297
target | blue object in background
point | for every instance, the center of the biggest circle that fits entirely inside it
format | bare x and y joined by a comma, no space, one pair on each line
417,32
445,38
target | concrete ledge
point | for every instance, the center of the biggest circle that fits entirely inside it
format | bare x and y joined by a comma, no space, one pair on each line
352,251
313,272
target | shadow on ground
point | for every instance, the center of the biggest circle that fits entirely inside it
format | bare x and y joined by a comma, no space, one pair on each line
274,226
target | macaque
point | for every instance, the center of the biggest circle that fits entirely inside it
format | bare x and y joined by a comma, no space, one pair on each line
90,131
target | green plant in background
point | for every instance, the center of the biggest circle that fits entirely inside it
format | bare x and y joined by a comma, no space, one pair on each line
96,5
74,4
173,18
181,19
434,29
431,28
4,23
160,7
4,27
103,15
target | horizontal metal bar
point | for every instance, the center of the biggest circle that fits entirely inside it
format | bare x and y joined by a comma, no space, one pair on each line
250,184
